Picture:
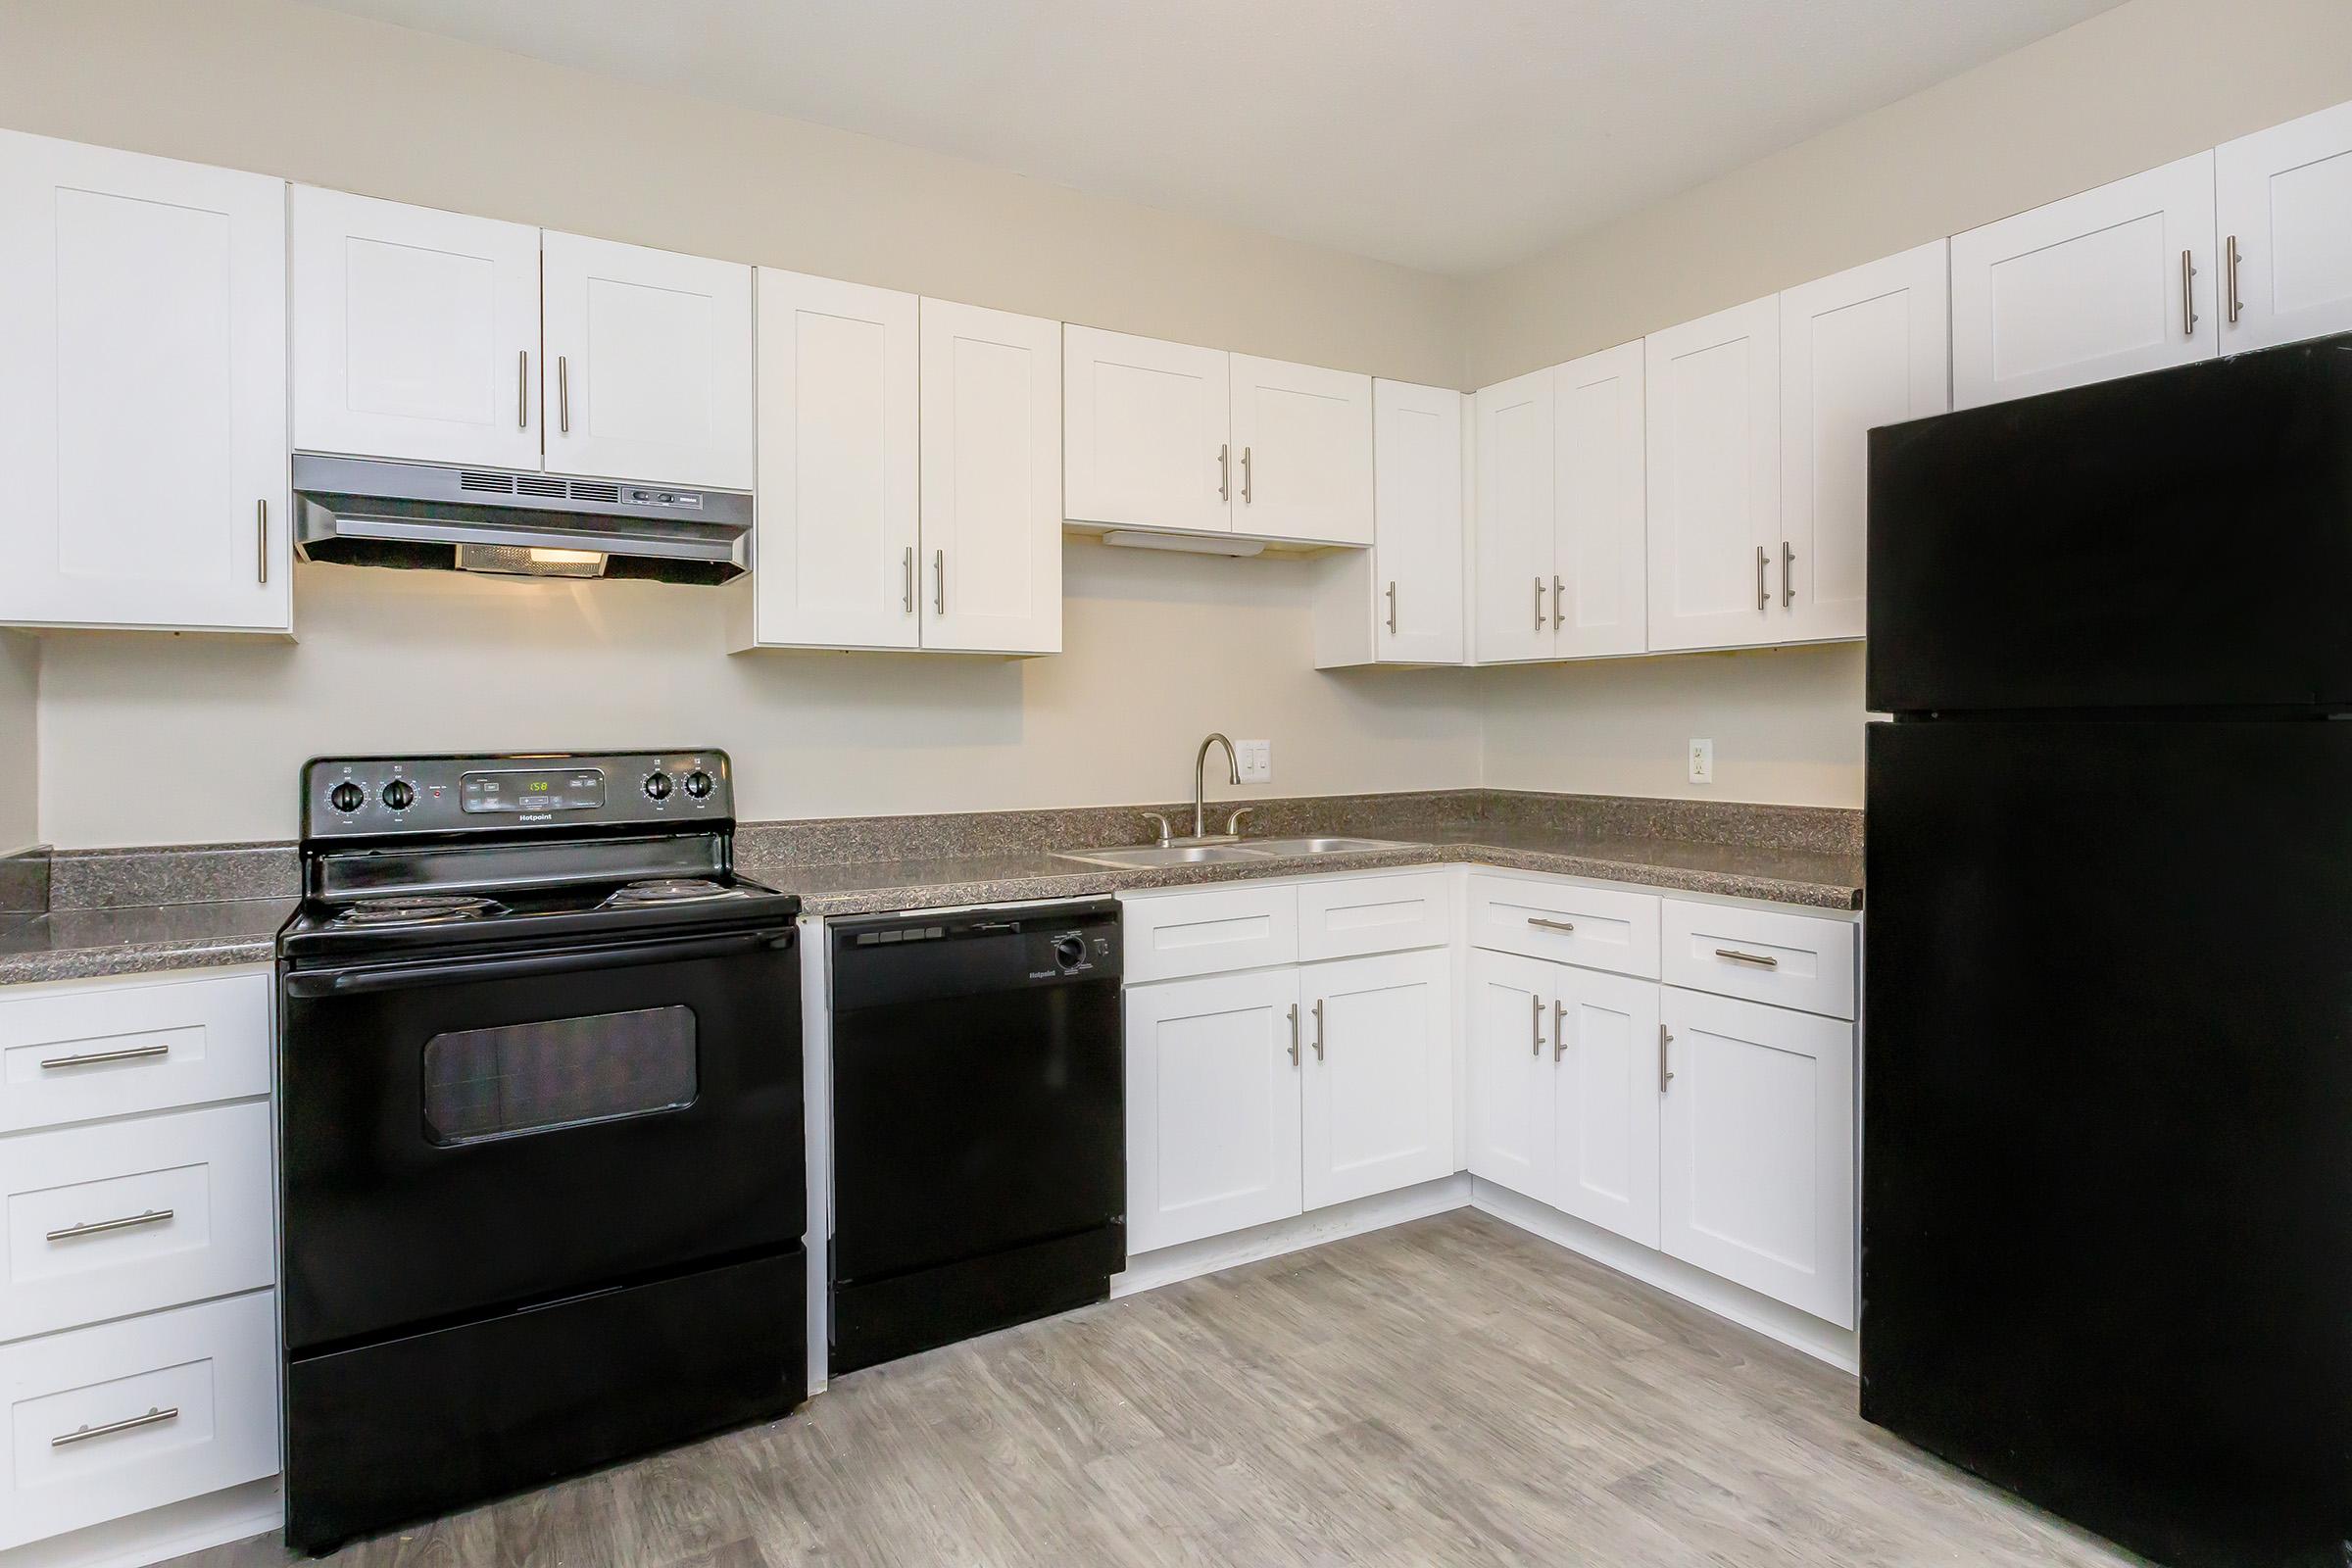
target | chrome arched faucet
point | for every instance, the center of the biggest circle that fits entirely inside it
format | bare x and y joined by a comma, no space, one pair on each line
1233,767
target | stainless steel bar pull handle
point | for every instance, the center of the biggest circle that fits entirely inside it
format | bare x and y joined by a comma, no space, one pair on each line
2230,268
522,389
260,541
1763,564
1762,961
153,1216
1560,603
938,582
1539,603
907,584
1225,472
1552,925
1293,1034
1788,574
1559,1029
154,1417
1244,476
1318,1028
1665,1072
1535,1005
1391,609
91,1058
563,394
2188,294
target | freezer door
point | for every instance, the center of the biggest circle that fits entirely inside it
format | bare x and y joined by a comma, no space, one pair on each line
2107,1122
2180,539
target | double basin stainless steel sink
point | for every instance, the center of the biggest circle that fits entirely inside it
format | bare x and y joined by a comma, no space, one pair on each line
1235,851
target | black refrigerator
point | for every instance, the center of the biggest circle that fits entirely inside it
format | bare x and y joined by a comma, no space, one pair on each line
2107,1102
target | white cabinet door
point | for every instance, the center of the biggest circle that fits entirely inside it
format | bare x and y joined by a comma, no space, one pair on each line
142,391
990,480
1417,555
1758,1146
834,554
1515,493
2284,204
1302,451
1213,1106
1509,1023
1714,437
1379,1074
2111,282
415,332
1147,432
1867,347
648,355
1604,1100
1599,526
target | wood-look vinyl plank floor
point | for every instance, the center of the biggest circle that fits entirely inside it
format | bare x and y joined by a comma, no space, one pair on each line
1453,1391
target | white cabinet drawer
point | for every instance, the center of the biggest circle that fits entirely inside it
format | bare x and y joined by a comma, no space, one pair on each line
1790,960
1595,928
149,1411
1348,918
100,1222
80,1054
1171,934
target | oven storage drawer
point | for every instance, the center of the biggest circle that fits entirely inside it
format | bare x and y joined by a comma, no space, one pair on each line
1565,922
101,1222
391,1432
1789,960
110,1421
81,1052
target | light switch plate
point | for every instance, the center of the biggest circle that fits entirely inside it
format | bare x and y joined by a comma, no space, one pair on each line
1702,761
1256,758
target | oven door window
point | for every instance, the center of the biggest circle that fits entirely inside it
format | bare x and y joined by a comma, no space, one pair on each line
564,1072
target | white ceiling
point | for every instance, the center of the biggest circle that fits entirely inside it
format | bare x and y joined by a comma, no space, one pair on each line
1450,136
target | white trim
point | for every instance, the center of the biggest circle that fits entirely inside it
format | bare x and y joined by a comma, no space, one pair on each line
817,1086
1776,1320
1150,1271
160,1534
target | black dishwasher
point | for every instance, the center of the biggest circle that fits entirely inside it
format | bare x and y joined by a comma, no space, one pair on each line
979,1123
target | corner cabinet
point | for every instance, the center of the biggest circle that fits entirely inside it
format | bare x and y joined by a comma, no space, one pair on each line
1402,601
142,392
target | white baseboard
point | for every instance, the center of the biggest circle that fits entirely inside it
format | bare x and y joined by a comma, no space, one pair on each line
160,1534
1801,1331
1150,1270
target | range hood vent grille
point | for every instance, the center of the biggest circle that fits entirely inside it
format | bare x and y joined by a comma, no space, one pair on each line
498,484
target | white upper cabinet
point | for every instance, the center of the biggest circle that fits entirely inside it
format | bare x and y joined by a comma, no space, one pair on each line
834,553
1147,433
1302,451
142,391
1714,440
1865,348
2283,203
415,332
1604,1100
1402,601
648,370
1516,480
1602,506
990,480
2111,282
1378,1074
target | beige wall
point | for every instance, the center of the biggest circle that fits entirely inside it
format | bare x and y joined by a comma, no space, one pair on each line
18,668
2142,84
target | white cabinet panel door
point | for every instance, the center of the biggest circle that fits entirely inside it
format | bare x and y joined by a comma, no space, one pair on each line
1509,1024
415,332
1758,1145
834,555
992,480
2283,203
1213,1107
2111,282
142,391
1604,1098
1867,347
1516,480
1714,437
1379,1074
1302,451
1599,561
1417,555
1147,432
649,364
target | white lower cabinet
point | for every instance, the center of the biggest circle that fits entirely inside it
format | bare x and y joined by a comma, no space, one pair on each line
1510,1114
1758,1148
1378,1074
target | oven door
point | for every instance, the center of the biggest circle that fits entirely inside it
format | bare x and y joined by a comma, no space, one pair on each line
469,1134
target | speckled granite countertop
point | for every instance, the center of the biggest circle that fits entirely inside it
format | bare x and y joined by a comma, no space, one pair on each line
80,944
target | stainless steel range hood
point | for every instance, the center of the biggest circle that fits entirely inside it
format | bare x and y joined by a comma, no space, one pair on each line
368,513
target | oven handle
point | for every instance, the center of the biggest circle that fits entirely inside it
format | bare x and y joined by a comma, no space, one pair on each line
404,977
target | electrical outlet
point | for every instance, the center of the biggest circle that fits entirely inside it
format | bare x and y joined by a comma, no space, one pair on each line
1702,761
1256,758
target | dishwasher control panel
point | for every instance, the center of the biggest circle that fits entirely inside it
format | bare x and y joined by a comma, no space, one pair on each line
975,951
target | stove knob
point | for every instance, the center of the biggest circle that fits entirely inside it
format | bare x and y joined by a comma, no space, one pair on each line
398,796
347,796
656,786
698,784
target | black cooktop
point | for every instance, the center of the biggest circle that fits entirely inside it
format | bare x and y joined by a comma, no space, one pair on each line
406,923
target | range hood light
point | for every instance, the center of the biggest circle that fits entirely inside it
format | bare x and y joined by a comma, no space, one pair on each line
511,560
1193,544
569,558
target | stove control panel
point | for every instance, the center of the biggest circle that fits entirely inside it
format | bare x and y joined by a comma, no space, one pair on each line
363,797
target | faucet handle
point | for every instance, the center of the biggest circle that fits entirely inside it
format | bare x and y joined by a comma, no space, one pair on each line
1165,831
1233,823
